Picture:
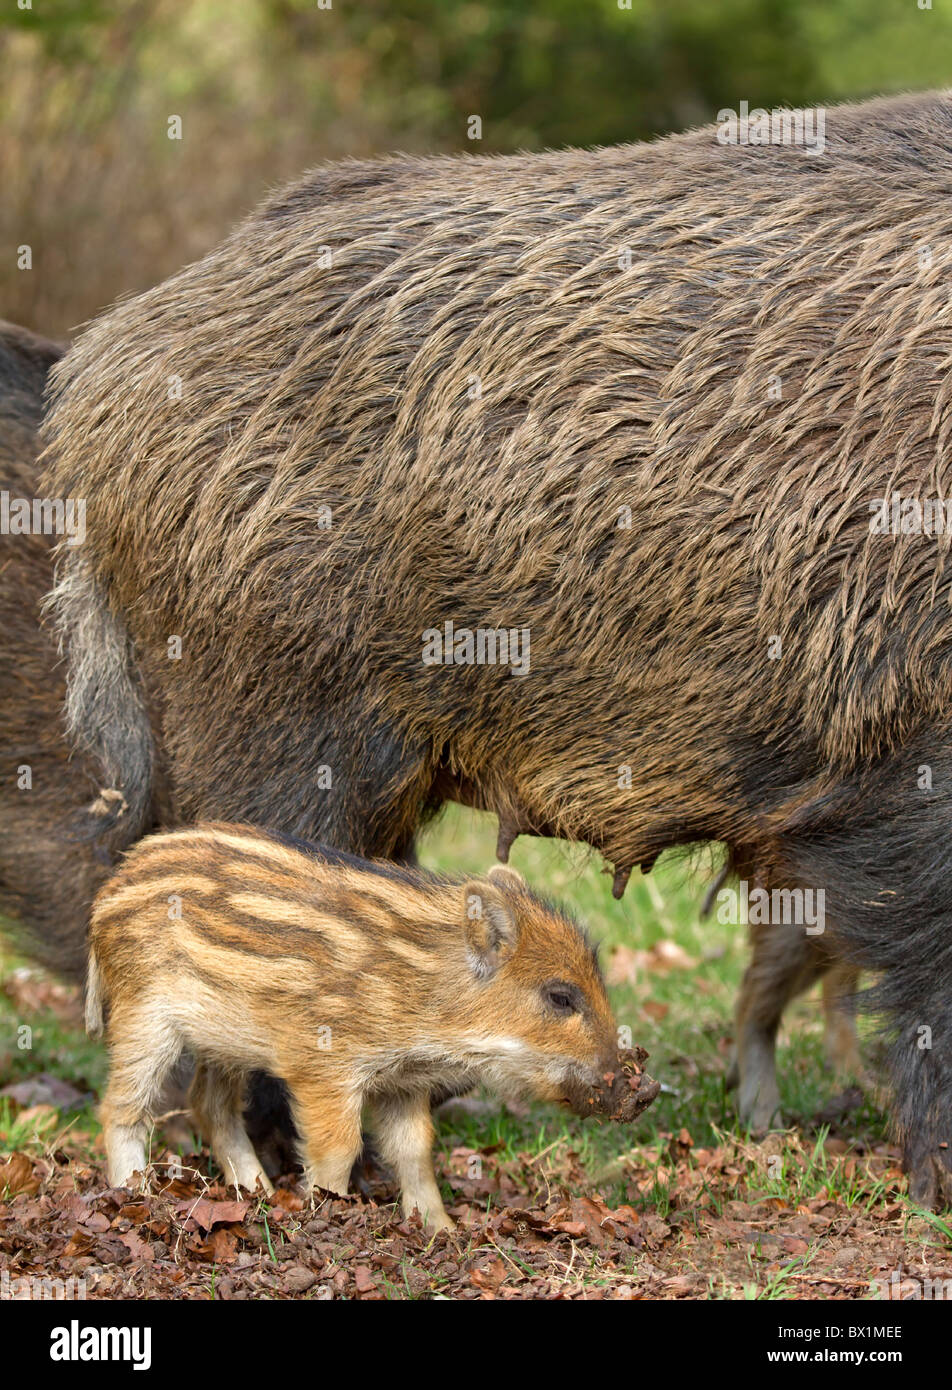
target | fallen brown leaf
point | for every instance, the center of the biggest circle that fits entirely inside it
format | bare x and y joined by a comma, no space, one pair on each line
16,1175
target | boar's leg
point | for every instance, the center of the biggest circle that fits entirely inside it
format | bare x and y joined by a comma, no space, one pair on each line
888,894
404,1133
840,1044
215,1100
840,983
920,1064
784,962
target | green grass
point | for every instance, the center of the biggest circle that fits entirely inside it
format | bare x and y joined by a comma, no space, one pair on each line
34,1041
55,1046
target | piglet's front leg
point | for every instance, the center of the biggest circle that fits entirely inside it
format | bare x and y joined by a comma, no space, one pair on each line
404,1134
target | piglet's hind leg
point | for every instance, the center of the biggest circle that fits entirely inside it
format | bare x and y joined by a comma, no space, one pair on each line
142,1054
328,1121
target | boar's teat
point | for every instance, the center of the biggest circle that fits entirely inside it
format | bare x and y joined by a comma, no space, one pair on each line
620,880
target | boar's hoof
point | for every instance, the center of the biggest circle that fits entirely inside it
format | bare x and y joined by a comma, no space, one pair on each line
762,1115
930,1181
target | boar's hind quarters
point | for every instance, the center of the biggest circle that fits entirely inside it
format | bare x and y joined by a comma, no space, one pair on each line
47,875
105,709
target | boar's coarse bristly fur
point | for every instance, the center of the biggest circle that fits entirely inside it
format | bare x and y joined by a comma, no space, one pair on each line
47,877
478,365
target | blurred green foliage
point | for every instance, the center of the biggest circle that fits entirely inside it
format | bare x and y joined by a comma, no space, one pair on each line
266,87
543,73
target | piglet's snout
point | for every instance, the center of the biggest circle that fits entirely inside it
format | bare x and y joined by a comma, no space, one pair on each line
621,1091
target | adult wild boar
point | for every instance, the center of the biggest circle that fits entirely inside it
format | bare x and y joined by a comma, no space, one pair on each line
545,482
47,876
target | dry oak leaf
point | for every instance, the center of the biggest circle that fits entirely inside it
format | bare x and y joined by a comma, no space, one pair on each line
16,1175
137,1247
219,1248
205,1214
489,1277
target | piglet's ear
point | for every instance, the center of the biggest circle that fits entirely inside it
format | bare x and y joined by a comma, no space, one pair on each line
506,877
491,928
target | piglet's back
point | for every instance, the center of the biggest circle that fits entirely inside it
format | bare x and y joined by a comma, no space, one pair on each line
267,915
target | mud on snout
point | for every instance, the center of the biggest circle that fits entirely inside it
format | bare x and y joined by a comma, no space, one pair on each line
621,1093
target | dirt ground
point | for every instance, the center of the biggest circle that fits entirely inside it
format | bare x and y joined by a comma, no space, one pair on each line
526,1230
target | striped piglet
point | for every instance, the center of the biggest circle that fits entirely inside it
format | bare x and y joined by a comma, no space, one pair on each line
356,983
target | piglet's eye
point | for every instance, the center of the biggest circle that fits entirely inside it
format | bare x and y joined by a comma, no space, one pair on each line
561,998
